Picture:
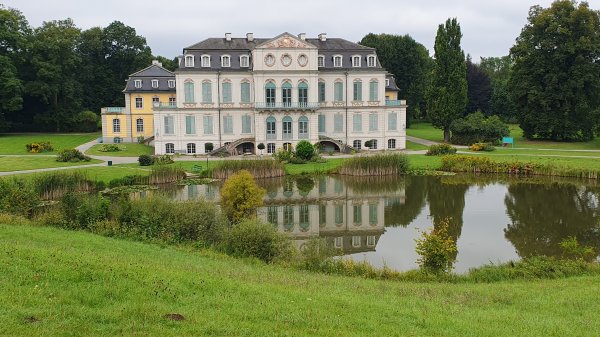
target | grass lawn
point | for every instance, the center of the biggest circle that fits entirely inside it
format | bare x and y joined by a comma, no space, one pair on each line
132,150
56,283
15,143
9,164
425,131
415,146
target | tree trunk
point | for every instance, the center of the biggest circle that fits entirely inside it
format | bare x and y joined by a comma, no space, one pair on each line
447,134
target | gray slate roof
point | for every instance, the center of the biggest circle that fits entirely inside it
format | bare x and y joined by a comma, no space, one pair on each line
392,86
146,75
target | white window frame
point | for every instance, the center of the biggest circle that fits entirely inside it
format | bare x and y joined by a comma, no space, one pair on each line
321,61
387,82
116,125
371,61
270,148
225,61
169,148
141,100
338,242
391,143
244,61
356,61
357,142
189,61
137,84
337,58
155,101
171,84
172,101
191,148
154,84
205,61
139,127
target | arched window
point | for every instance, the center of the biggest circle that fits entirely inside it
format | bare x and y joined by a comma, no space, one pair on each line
321,91
287,127
357,90
270,94
206,92
303,94
169,148
373,90
271,127
191,148
188,90
245,91
303,127
371,60
286,94
205,61
225,61
139,125
189,61
337,61
244,61
356,144
116,125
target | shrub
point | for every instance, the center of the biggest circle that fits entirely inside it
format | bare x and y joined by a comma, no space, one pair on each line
15,220
440,149
162,174
369,143
86,121
476,128
141,139
52,186
112,148
83,209
305,184
240,196
305,150
377,165
38,147
71,155
18,196
146,160
571,249
297,160
283,155
252,238
437,249
163,159
209,147
316,254
260,146
478,164
482,147
129,181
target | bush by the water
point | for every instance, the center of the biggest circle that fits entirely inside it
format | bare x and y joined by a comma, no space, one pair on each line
304,150
71,155
164,159
252,238
39,147
376,165
18,196
112,148
476,128
437,249
440,150
283,155
241,196
478,164
573,250
146,160
164,174
482,147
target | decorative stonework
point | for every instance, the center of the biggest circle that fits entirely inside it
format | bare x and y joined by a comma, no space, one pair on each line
373,103
206,105
270,60
286,60
246,105
357,103
189,105
226,105
302,60
338,103
286,41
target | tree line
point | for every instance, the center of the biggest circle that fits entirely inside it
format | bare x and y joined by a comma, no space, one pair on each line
52,76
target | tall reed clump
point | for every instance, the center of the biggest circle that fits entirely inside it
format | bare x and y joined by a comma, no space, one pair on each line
163,174
377,165
54,185
18,196
260,168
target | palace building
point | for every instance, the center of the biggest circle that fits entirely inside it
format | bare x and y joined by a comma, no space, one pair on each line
233,94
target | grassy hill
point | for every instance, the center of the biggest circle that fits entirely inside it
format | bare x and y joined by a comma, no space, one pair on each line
63,283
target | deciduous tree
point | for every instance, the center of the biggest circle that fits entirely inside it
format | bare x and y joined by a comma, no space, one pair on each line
240,196
479,89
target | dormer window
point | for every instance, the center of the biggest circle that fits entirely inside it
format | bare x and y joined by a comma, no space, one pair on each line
137,83
189,61
244,61
154,84
356,61
371,61
337,61
225,61
205,61
321,61
171,84
387,82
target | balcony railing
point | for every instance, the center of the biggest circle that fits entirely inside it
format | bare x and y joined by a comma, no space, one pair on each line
114,109
287,106
393,103
165,105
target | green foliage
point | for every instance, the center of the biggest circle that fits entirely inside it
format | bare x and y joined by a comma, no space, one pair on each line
52,186
487,147
478,164
501,104
18,196
252,238
86,121
440,150
81,210
369,143
555,80
479,89
437,249
146,160
380,164
317,254
112,148
38,147
283,155
447,95
140,140
128,180
240,196
476,128
305,184
261,168
164,159
209,147
163,174
572,249
296,160
260,146
71,155
304,150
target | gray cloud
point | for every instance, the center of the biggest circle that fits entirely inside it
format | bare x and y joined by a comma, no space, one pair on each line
489,27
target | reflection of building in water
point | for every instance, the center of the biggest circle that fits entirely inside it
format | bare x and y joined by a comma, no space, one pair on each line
350,218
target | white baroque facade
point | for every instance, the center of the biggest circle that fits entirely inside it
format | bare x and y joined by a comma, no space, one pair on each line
236,93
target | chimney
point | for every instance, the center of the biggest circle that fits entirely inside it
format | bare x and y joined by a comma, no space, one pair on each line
250,37
228,36
179,58
302,36
156,63
323,36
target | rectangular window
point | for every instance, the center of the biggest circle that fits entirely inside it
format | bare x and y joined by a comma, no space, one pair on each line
270,147
357,91
356,61
338,91
116,125
338,123
287,129
172,101
138,83
357,214
321,123
371,61
338,187
169,125
171,84
225,61
337,61
303,128
270,128
139,102
391,143
244,61
322,185
155,101
188,88
373,91
321,91
392,121
288,216
208,125
227,124
272,216
321,61
356,241
339,214
357,123
338,242
206,92
155,84
373,122
371,240
226,92
191,148
322,214
246,124
304,215
245,94
169,148
373,214
205,61
190,125
139,123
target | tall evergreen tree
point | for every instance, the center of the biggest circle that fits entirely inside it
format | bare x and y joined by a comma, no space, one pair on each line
447,95
479,88
555,80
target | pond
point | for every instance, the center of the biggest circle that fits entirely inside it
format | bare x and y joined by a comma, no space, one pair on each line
494,219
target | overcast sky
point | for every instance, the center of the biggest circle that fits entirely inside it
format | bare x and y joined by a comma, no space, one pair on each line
489,27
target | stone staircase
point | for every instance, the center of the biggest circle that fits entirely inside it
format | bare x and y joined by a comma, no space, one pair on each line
230,149
344,148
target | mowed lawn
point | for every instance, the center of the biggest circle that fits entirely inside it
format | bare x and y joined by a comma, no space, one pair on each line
57,283
9,164
15,143
131,150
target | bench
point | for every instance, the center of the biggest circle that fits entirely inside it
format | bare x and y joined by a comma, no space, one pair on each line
197,169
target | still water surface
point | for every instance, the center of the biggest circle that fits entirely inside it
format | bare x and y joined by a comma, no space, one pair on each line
493,219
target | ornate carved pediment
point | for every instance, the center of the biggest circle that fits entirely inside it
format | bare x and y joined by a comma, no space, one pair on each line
286,40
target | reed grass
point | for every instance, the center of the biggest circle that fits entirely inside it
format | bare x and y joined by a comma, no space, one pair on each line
260,168
56,184
376,165
163,174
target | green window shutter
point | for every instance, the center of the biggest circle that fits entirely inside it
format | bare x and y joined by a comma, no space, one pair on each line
392,121
208,125
373,90
321,123
321,91
357,122
339,91
226,92
373,213
373,122
190,127
245,87
338,123
246,124
189,92
358,91
227,124
206,93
